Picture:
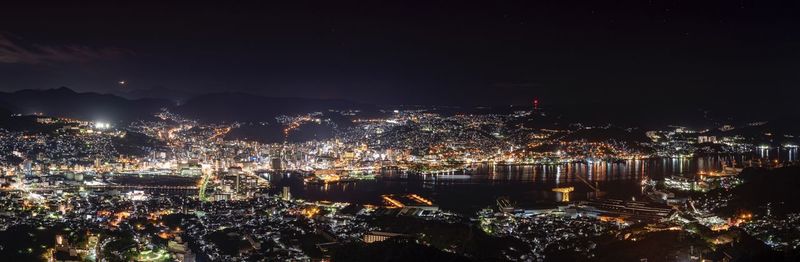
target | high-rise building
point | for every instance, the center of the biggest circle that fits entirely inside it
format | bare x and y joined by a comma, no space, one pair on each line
287,194
27,167
276,163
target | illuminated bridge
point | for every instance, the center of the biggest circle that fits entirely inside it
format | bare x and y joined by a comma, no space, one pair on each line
145,187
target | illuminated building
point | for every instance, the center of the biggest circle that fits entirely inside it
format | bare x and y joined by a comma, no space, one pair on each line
411,204
376,236
277,163
286,194
706,139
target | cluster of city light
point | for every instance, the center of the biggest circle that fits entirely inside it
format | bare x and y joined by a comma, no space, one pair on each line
102,125
393,202
311,211
420,199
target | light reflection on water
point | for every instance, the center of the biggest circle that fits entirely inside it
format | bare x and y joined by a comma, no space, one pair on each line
781,154
524,184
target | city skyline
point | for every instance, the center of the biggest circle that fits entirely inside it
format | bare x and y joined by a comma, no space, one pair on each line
366,131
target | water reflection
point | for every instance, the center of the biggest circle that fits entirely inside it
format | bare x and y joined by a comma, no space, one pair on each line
524,184
598,171
782,153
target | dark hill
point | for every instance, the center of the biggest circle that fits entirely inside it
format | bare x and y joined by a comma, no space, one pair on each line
221,107
156,93
606,134
392,250
777,187
64,102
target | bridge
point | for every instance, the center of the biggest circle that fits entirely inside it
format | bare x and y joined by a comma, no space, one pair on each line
114,187
144,188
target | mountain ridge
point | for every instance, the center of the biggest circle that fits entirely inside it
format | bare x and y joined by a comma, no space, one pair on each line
211,107
65,102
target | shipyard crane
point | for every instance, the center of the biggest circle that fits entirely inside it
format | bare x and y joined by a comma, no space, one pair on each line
596,187
566,190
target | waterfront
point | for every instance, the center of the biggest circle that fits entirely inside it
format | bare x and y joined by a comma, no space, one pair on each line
448,184
527,185
197,195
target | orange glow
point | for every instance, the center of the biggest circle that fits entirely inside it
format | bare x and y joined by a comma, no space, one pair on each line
420,199
393,202
311,212
119,217
164,235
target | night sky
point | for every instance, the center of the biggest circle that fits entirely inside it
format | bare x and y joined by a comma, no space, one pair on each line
563,52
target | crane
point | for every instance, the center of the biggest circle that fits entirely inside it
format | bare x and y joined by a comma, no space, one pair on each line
596,187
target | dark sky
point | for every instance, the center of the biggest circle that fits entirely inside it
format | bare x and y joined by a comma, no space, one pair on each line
497,52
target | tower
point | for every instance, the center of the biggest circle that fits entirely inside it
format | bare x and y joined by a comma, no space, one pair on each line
287,195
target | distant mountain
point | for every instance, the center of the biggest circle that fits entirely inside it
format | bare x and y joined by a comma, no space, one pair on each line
4,112
645,114
633,114
606,134
774,132
222,107
215,107
156,93
65,102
